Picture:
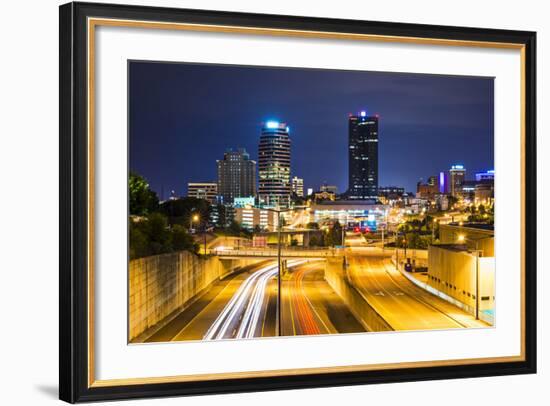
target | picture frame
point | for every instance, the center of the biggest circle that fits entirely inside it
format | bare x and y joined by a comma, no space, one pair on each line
78,380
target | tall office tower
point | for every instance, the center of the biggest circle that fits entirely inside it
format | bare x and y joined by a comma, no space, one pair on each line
298,186
236,176
363,157
274,165
457,175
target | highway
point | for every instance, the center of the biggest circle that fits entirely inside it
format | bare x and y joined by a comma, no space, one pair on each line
245,306
311,307
401,303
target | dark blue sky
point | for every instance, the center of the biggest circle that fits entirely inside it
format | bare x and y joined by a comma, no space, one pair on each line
184,116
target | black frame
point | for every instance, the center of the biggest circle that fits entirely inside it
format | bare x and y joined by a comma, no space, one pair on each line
73,297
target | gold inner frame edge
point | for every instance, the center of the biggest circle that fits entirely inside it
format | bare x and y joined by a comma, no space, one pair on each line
94,22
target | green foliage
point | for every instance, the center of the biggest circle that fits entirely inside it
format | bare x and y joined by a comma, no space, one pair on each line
314,241
222,216
236,230
180,211
182,241
334,235
143,200
153,236
312,226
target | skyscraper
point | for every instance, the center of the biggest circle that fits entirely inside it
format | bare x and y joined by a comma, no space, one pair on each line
236,176
274,165
457,175
363,157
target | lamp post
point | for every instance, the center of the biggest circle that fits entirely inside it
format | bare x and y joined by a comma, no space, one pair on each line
462,238
279,284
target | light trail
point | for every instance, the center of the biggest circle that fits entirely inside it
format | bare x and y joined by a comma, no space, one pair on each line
248,301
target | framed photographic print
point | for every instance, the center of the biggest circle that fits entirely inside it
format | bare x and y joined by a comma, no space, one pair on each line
257,202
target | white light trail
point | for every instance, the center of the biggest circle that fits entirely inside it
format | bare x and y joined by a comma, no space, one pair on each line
249,299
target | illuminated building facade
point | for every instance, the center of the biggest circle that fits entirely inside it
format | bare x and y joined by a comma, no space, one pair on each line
485,176
443,183
254,217
298,186
457,175
363,157
349,214
428,190
203,190
274,165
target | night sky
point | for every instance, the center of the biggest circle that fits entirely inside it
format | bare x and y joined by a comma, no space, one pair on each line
184,116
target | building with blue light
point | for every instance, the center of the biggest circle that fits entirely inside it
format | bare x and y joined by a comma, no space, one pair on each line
274,188
363,157
485,176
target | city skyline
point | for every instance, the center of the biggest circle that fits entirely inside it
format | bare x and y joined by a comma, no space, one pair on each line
185,146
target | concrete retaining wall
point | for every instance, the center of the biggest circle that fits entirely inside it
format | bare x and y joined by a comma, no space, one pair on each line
160,285
336,277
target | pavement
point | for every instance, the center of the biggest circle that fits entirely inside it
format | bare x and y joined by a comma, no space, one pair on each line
311,307
401,303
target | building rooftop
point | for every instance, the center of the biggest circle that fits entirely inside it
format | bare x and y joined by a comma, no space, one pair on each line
478,226
452,247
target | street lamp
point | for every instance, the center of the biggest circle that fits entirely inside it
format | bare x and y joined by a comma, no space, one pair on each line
193,219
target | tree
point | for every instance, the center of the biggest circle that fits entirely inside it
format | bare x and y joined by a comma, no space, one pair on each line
179,211
152,236
222,216
160,238
334,235
181,240
314,241
143,200
312,226
139,244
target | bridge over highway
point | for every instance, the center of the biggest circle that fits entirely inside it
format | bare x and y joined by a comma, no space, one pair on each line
230,252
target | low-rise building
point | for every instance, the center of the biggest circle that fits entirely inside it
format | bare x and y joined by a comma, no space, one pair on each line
253,217
463,266
349,213
203,190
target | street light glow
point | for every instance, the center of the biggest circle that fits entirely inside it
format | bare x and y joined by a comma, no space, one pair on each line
461,238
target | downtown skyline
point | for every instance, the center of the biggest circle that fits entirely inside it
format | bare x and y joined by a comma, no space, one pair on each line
178,129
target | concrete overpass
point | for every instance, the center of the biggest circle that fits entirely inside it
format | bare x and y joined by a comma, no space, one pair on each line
249,252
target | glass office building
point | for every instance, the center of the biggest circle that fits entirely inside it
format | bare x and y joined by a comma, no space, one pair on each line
363,157
274,189
236,176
